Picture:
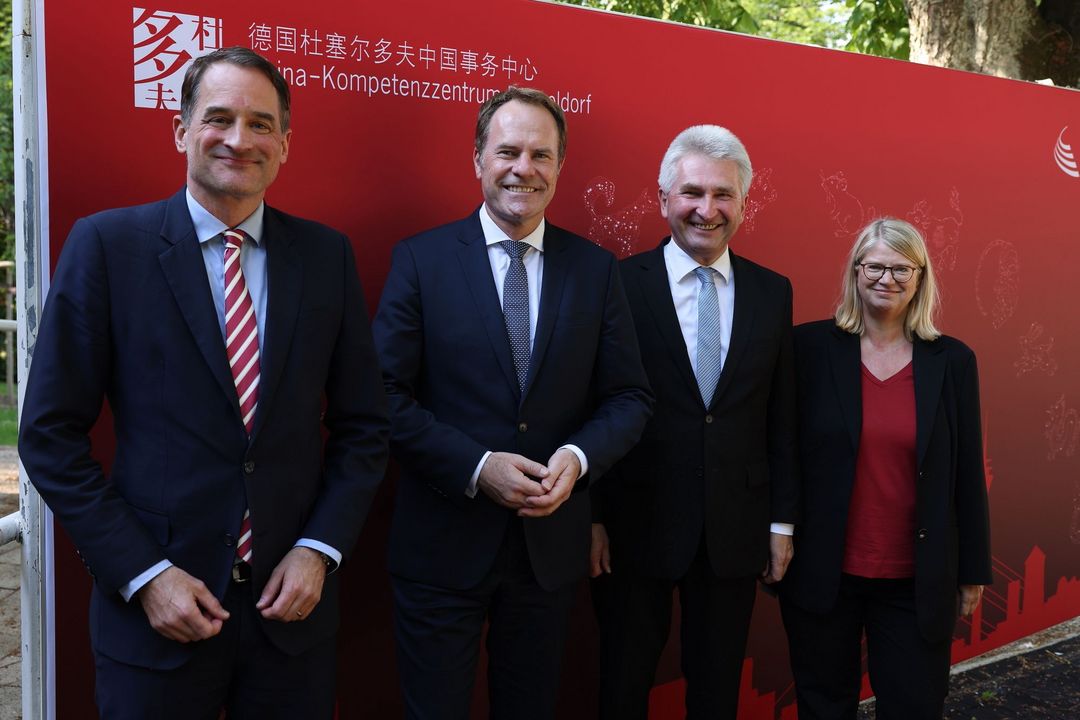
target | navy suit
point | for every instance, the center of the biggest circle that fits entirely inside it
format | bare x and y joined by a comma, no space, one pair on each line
453,394
130,319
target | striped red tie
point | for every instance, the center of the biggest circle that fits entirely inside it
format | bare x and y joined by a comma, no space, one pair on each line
242,346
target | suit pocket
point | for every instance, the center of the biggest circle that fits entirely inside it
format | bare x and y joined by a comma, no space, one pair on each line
757,475
156,523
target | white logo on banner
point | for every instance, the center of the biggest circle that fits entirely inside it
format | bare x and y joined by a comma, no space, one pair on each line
164,43
1063,155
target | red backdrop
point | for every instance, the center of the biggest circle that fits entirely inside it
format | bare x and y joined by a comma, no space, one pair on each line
385,97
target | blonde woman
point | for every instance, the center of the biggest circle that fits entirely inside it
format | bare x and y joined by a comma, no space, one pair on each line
895,537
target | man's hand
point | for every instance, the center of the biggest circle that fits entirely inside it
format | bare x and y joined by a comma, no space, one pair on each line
504,479
781,550
295,586
970,595
563,470
600,552
180,606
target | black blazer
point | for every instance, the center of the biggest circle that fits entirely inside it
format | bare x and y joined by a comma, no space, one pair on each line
727,470
130,319
453,394
952,538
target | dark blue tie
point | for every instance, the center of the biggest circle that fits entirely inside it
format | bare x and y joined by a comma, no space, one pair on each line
516,307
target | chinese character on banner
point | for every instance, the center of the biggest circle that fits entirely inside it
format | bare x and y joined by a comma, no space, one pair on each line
163,43
468,61
528,70
259,35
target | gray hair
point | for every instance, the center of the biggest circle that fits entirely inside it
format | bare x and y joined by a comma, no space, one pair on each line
711,141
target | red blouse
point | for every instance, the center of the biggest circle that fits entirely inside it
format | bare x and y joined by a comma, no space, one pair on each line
881,518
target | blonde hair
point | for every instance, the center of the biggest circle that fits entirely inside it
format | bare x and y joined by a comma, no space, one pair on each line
904,238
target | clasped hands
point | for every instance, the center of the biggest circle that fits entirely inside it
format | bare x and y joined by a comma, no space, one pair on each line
182,608
521,484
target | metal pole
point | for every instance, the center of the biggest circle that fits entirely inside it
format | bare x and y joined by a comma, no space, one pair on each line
31,236
9,340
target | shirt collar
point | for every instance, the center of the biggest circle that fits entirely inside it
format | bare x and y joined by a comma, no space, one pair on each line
493,233
680,264
208,227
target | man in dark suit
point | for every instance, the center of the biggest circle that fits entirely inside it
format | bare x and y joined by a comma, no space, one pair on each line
691,505
513,375
220,331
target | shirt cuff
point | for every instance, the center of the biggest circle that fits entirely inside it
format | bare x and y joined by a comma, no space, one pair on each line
580,456
782,528
470,491
128,591
325,549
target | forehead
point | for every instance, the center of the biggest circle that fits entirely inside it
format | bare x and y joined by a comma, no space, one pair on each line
706,172
236,87
518,122
879,252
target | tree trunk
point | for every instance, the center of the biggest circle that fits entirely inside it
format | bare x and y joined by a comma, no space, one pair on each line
1007,38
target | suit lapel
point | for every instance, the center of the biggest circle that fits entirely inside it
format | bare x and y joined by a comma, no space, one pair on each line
556,267
845,359
473,256
185,272
928,366
747,295
284,278
653,278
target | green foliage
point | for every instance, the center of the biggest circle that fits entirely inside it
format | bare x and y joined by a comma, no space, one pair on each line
879,27
812,22
720,14
7,141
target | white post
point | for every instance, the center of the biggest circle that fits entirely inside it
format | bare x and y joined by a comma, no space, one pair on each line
32,276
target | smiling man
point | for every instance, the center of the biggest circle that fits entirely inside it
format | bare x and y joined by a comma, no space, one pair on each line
706,501
513,374
226,337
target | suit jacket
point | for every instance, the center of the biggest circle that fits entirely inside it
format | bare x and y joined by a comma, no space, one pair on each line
952,540
130,319
453,394
725,471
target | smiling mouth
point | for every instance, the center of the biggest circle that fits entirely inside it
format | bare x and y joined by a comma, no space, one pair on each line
705,226
519,188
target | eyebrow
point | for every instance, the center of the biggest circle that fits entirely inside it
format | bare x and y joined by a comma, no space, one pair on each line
216,109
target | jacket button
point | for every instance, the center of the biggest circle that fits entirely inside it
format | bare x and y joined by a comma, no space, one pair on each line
921,535
249,467
229,539
708,419
523,427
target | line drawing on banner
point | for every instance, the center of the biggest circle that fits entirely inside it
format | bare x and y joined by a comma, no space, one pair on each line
997,282
163,44
761,195
1036,354
1062,430
1063,155
617,231
942,234
844,209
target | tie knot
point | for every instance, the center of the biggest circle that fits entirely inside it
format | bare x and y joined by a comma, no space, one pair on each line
515,248
234,238
704,274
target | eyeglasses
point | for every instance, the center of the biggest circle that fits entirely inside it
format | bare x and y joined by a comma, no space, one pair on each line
900,273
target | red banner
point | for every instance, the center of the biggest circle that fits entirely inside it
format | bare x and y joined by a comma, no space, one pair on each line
385,99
